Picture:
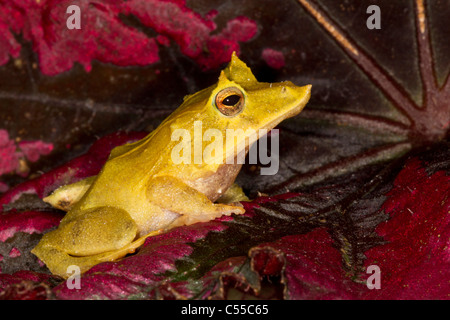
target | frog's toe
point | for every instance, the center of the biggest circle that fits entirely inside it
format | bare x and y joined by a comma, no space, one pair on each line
214,212
58,262
93,236
233,195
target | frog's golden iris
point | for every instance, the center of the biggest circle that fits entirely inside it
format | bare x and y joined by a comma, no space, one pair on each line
230,101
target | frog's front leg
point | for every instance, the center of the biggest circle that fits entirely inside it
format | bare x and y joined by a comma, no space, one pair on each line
96,235
173,195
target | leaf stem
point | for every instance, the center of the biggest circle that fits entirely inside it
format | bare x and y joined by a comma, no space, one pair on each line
391,89
426,67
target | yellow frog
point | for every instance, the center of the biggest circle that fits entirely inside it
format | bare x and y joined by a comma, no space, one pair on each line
142,190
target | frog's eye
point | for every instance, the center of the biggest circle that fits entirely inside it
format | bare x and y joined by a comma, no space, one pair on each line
230,101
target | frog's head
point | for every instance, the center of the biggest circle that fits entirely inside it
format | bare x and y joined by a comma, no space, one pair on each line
239,101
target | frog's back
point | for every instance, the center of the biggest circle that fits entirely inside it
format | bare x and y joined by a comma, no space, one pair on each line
125,175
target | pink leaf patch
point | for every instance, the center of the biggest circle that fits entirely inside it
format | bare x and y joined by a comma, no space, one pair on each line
29,222
103,36
10,47
193,32
13,155
273,58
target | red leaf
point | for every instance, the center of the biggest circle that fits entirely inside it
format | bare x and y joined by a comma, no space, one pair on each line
105,37
29,222
25,285
415,264
309,265
102,35
8,43
192,32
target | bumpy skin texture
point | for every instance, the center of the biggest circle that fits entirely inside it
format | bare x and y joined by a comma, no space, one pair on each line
141,192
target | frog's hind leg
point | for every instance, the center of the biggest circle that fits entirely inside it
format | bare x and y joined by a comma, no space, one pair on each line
96,235
59,261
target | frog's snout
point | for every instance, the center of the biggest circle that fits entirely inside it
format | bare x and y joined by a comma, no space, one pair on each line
294,98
